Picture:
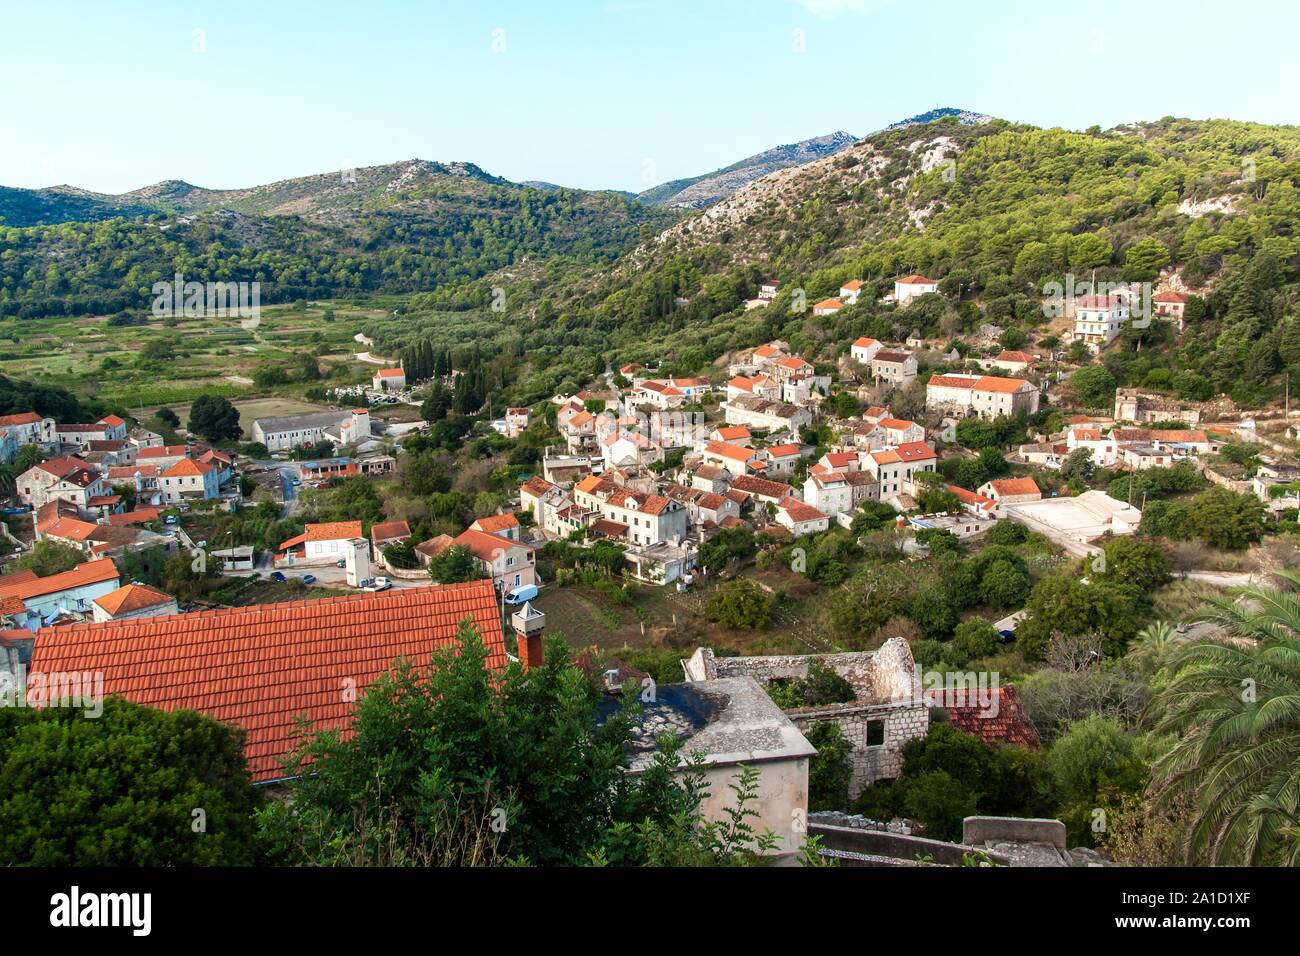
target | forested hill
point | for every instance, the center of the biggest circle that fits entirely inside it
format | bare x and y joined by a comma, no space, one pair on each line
994,211
406,227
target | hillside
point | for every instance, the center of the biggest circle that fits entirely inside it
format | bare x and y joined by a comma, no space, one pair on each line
995,211
700,191
404,227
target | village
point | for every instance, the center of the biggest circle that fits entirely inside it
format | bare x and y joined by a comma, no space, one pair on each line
779,444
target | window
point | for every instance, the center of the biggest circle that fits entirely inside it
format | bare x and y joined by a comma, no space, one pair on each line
875,733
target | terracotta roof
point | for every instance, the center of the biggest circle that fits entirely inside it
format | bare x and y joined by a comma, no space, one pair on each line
829,304
188,468
800,511
261,667
1015,486
766,351
972,712
993,383
22,418
886,457
1169,296
161,451
12,605
608,529
486,546
112,420
1008,355
72,529
536,485
761,486
914,451
389,529
897,424
915,279
892,356
865,342
734,452
494,523
91,572
132,597
732,432
783,451
853,285
391,373
969,497
333,530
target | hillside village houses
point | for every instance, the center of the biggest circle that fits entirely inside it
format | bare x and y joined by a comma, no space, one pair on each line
1098,319
913,286
987,396
389,380
342,427
894,367
864,349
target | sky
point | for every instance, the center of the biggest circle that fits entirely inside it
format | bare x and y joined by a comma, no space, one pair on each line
597,94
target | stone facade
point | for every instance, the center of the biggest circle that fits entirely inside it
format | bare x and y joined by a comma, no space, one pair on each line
888,712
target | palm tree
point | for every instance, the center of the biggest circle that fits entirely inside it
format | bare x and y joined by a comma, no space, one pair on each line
1234,705
1153,644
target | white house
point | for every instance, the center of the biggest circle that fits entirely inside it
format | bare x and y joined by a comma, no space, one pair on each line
71,591
865,349
801,518
389,380
909,287
189,480
319,544
1099,318
988,396
850,291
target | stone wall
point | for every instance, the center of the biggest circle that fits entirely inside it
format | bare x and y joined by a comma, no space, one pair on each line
903,722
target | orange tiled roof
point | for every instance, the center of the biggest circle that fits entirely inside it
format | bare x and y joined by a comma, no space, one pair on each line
332,531
73,529
22,418
1015,486
1008,723
914,451
138,516
91,572
188,468
494,523
389,529
865,342
829,304
132,597
734,452
800,511
261,667
915,279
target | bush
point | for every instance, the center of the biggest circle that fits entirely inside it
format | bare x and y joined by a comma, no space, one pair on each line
1006,533
975,638
831,770
740,604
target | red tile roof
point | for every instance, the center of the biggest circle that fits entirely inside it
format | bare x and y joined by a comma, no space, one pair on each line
22,418
800,511
973,715
390,529
92,572
1169,296
915,279
132,597
138,516
495,523
1016,486
761,486
260,667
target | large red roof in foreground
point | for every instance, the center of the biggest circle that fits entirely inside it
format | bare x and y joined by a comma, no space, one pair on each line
260,667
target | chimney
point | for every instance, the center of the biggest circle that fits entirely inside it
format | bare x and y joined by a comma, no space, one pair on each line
528,624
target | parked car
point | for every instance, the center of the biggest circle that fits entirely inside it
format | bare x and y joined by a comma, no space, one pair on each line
277,576
341,563
521,594
1006,637
378,584
309,579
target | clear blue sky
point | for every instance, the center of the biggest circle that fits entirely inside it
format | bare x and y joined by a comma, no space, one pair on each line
589,93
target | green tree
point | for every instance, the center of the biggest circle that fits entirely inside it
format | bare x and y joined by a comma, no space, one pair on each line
831,770
740,603
213,417
1094,386
455,565
123,789
48,557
